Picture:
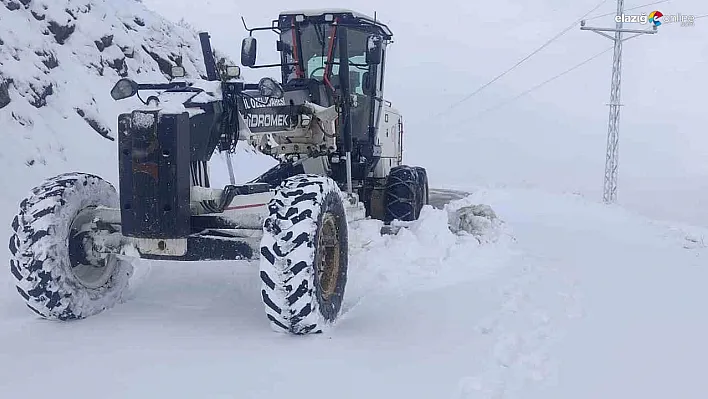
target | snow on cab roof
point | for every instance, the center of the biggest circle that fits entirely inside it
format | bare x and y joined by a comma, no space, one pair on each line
321,11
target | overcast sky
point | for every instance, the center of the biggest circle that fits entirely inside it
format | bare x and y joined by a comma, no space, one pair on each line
553,138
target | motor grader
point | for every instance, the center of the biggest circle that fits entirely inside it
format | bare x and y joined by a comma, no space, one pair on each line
339,147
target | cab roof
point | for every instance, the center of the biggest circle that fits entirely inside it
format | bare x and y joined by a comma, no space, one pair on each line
342,12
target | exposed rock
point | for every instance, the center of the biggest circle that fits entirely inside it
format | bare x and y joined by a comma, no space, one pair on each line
99,68
25,2
176,59
38,16
119,66
4,93
95,125
128,51
104,42
61,32
48,59
41,93
12,5
164,65
139,21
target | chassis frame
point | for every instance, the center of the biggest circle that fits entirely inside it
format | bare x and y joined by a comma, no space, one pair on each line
233,234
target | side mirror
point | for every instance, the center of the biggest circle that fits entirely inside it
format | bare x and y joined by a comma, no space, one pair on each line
269,88
248,51
374,50
125,88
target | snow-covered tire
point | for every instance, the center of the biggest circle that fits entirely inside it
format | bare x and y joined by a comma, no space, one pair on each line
47,254
402,194
423,189
304,255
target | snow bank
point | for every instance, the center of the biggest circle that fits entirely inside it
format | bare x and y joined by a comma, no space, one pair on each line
425,254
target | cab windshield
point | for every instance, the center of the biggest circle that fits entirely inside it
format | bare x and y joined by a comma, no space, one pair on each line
315,45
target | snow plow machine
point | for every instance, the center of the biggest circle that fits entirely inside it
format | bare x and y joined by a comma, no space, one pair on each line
339,147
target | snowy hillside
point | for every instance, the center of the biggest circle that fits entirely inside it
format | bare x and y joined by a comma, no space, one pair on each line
58,62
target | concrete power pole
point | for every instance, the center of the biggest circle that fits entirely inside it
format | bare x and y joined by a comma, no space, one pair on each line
612,156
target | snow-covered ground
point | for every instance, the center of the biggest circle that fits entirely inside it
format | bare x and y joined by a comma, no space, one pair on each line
566,298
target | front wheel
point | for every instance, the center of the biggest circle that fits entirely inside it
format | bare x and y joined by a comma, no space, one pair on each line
57,260
304,255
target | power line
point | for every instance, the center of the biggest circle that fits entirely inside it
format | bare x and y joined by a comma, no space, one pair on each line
628,9
558,76
538,86
551,40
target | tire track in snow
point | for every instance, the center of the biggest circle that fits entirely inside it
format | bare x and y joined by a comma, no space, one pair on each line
528,322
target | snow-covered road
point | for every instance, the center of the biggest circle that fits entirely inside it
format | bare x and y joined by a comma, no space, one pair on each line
570,299
607,304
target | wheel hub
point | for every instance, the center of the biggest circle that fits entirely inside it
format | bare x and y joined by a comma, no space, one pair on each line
329,255
92,260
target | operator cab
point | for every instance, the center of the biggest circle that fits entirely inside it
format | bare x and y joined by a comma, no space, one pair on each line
311,57
310,48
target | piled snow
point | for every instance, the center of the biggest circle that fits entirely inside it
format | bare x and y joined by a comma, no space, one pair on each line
427,253
474,219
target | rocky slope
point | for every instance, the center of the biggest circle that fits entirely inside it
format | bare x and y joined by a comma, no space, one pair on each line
58,62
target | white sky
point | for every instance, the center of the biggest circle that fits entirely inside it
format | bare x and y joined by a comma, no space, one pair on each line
553,138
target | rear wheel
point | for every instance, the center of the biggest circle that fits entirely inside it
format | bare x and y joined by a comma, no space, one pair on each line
403,194
59,258
423,189
304,255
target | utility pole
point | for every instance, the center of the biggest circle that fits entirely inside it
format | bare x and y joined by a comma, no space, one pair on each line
612,156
